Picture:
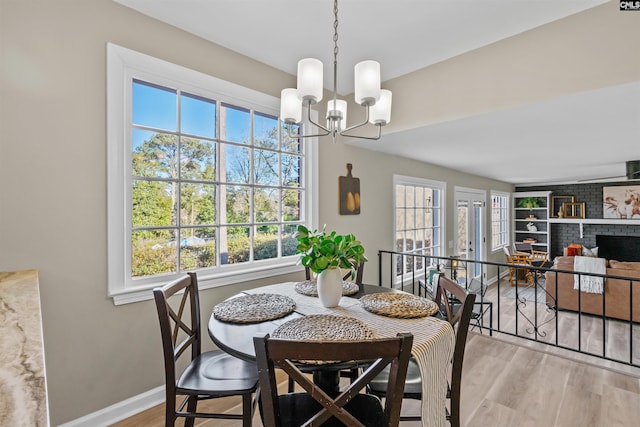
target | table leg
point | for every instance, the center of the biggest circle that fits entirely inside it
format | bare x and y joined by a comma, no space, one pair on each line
328,380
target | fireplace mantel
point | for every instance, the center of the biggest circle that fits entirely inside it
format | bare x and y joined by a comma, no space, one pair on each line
595,221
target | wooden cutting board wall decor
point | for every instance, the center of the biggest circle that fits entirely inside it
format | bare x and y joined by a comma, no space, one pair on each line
349,193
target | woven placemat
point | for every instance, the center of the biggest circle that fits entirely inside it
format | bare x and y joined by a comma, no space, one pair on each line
310,288
323,327
254,308
399,305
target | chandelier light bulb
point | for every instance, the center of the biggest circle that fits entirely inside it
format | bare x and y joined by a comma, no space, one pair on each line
290,106
310,80
367,82
380,113
337,113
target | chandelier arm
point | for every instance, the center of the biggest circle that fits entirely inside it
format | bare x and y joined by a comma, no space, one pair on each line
296,136
372,138
326,130
356,126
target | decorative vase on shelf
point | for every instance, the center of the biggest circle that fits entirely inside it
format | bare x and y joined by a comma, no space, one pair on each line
330,287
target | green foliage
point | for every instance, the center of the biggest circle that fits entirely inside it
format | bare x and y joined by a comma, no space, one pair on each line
321,251
148,260
530,202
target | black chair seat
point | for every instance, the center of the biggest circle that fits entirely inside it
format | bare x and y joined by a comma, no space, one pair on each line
412,385
216,373
296,407
208,375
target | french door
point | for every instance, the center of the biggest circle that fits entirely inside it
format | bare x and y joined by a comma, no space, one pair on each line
470,241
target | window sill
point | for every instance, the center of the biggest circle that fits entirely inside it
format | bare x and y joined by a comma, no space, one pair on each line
220,278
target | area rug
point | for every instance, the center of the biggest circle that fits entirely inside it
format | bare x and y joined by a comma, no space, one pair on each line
527,293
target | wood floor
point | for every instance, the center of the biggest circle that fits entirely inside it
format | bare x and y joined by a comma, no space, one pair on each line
511,382
510,385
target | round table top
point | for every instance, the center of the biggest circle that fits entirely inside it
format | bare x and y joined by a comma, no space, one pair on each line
236,338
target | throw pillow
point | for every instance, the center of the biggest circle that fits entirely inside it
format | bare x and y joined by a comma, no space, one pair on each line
593,252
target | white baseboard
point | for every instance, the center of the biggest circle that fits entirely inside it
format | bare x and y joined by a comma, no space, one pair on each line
121,410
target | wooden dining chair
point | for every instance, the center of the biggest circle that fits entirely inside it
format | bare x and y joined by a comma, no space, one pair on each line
456,305
347,373
314,406
520,266
209,375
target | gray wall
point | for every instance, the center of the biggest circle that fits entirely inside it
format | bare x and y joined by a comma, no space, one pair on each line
591,194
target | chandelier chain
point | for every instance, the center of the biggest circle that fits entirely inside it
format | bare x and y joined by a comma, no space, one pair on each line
335,31
335,50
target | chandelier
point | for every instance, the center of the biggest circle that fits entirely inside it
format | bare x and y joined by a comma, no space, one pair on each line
368,94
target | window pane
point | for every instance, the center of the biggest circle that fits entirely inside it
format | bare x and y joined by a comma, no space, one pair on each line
410,219
197,204
265,131
400,195
153,252
420,197
265,202
400,242
197,248
154,154
197,116
152,203
400,221
265,167
291,144
238,201
291,205
265,244
236,163
289,242
420,236
154,106
291,166
234,123
238,244
197,159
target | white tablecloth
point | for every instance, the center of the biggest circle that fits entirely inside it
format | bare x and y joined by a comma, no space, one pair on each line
433,343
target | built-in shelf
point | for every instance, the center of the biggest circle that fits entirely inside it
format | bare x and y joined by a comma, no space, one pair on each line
520,216
582,221
595,221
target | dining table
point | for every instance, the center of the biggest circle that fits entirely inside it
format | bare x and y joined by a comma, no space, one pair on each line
432,349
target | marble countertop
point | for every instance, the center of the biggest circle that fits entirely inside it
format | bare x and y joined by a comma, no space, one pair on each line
23,390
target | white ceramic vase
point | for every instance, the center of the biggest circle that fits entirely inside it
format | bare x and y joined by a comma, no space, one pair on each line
330,287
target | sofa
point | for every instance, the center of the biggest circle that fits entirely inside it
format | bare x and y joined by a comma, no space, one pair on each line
616,291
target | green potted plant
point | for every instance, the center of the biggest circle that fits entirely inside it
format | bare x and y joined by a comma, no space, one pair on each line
326,254
529,202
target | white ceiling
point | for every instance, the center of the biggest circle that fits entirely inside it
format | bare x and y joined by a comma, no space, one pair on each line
584,136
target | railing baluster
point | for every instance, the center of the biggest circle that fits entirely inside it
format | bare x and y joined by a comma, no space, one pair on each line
400,260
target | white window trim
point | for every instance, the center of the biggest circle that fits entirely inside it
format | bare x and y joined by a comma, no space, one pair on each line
122,66
496,249
442,186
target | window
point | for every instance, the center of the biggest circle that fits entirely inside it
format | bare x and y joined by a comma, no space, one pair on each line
419,221
202,176
499,220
